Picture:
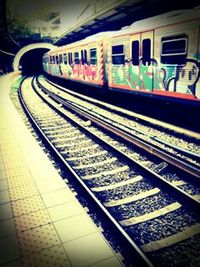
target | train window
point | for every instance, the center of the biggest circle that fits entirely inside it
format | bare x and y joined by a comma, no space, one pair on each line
135,53
76,58
174,49
70,58
146,52
85,56
60,58
65,58
57,61
93,56
117,54
117,49
53,59
82,57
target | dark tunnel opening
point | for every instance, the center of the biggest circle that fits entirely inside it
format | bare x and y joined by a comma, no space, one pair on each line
31,61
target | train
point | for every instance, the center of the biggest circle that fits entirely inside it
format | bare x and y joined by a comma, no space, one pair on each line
157,56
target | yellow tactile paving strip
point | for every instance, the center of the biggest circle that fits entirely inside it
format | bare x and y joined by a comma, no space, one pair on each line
27,205
37,239
54,256
32,220
41,221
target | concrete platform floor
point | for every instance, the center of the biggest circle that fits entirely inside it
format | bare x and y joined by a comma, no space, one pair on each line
41,221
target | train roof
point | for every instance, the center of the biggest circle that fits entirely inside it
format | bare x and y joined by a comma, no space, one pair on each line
162,20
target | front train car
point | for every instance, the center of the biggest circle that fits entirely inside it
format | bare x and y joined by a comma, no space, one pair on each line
159,56
82,61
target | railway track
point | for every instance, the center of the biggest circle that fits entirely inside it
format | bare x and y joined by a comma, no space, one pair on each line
182,151
160,221
167,158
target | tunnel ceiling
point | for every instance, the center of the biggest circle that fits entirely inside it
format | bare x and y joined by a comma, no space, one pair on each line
31,61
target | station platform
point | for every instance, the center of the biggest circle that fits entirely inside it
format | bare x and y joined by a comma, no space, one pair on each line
41,221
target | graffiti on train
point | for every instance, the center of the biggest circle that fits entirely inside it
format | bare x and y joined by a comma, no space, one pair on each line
183,79
180,79
82,71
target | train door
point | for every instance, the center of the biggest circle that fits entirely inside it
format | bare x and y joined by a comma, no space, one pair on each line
141,65
64,64
84,63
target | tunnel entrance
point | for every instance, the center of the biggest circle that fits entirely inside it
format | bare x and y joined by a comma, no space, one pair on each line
29,58
31,61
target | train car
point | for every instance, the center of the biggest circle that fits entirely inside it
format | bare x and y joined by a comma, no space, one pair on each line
81,61
158,56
